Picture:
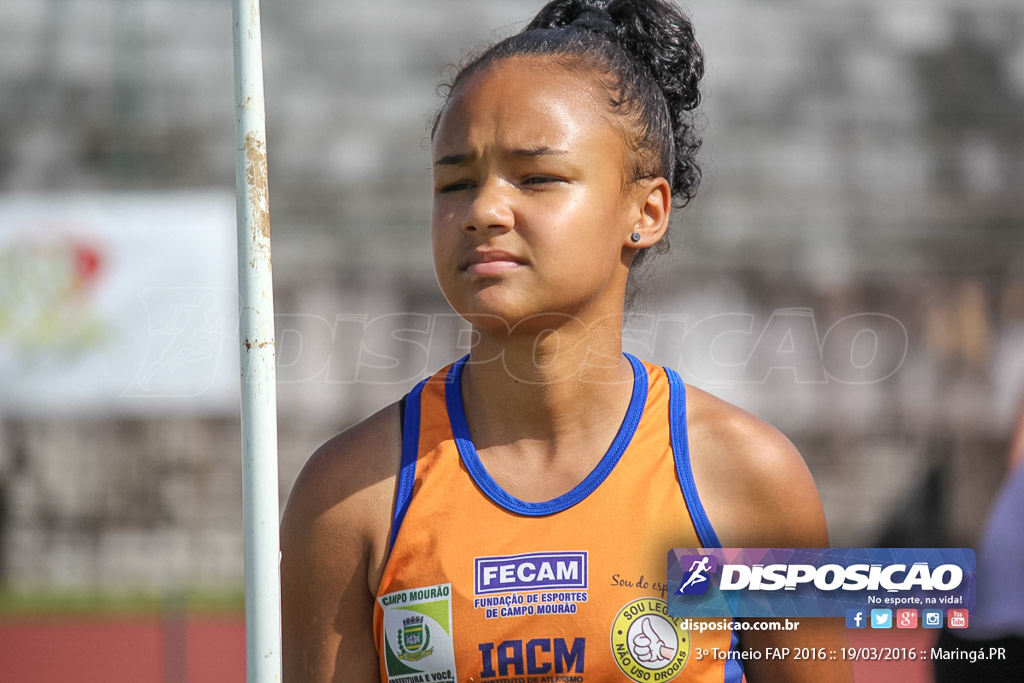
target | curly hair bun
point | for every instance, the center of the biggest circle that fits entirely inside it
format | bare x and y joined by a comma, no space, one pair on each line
659,38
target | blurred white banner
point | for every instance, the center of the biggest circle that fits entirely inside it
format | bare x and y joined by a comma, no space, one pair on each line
118,303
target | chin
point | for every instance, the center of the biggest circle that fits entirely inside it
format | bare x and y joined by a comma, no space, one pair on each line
500,311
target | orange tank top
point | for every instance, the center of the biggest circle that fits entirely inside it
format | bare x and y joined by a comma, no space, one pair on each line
482,586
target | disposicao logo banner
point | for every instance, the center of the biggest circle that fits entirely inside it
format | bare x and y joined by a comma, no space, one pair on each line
816,582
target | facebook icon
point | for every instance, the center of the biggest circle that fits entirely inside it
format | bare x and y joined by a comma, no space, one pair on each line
856,618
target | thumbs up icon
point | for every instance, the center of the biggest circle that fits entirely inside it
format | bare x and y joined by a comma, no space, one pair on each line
647,645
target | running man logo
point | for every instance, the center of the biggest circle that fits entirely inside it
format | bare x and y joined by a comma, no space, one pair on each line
696,579
809,582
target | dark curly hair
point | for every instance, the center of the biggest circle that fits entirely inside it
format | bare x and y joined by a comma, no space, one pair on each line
645,54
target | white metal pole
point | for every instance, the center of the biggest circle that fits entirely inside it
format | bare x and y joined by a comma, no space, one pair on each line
258,369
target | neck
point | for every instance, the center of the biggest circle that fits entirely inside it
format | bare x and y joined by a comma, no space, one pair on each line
554,385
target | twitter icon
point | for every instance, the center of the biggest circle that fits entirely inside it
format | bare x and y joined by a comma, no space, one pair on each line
881,618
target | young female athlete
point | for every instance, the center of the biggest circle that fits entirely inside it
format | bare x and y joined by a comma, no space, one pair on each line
510,518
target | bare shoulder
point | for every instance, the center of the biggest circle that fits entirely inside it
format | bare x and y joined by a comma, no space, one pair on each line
348,483
758,493
754,485
334,535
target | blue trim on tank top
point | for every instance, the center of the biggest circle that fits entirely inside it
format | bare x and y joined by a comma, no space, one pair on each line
410,453
733,672
490,488
681,450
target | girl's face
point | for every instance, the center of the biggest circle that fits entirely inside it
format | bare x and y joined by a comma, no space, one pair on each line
532,209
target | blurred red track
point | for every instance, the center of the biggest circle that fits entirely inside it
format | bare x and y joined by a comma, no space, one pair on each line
212,650
123,650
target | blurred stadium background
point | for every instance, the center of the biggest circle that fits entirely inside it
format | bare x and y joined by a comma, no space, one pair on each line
853,270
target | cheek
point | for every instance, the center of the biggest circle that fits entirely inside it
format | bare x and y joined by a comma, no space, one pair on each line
441,253
440,227
591,231
447,210
444,243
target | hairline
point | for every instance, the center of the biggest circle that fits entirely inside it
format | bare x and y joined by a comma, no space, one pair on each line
583,65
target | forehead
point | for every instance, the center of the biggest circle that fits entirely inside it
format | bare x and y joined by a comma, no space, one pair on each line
526,101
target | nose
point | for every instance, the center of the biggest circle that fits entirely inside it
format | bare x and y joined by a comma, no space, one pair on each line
490,208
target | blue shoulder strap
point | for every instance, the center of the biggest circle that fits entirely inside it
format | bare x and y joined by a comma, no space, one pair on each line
681,451
410,451
705,532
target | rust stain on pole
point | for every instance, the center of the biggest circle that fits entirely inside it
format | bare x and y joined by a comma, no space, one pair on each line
252,344
259,192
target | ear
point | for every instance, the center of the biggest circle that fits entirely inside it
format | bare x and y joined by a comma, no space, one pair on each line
653,206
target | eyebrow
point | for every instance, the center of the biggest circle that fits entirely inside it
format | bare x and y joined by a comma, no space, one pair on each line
525,152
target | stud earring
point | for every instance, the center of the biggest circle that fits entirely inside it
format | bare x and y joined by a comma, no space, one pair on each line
635,237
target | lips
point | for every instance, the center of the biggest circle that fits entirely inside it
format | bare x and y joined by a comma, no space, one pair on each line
491,262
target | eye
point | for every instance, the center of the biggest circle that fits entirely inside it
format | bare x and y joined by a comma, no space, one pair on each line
542,180
454,187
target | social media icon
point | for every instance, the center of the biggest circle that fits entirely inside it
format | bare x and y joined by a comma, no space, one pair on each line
932,618
957,618
856,618
906,618
881,618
